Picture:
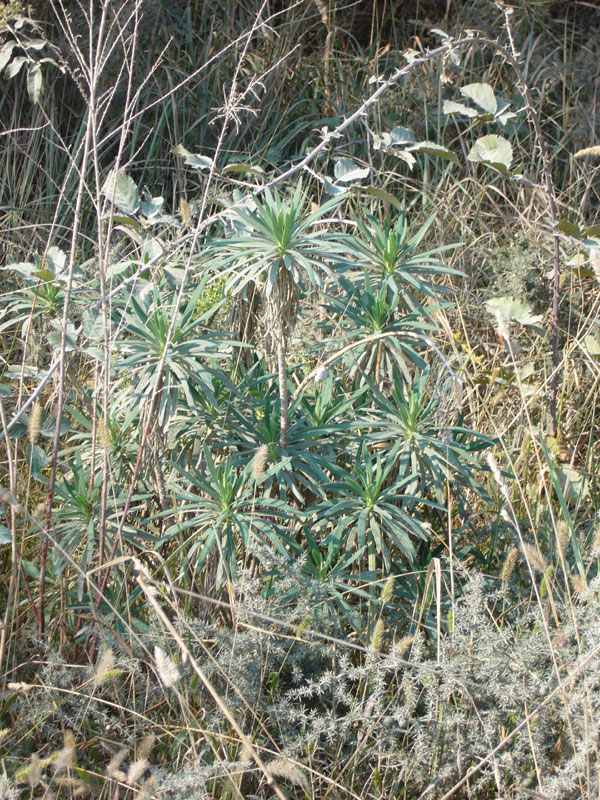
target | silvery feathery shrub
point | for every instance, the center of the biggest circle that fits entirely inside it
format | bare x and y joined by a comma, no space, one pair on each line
7,792
406,714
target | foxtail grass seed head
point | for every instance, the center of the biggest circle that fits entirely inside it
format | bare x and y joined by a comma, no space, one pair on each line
145,747
104,665
535,558
137,769
246,755
103,436
167,669
184,210
588,151
377,638
35,419
401,647
563,535
65,757
259,462
509,564
578,584
286,769
113,770
34,771
388,590
596,540
22,688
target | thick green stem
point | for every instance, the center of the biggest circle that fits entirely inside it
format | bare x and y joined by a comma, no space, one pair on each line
284,398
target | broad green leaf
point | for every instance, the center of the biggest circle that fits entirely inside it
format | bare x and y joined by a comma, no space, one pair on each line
14,67
56,260
592,344
93,324
404,155
151,206
5,535
346,170
400,135
512,310
152,248
434,149
493,149
34,82
180,151
49,426
572,483
198,161
45,275
24,268
36,44
36,459
450,107
569,228
121,190
6,53
54,337
332,189
239,167
482,94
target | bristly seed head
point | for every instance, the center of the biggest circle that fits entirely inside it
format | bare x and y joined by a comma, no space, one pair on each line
35,419
259,462
509,564
535,558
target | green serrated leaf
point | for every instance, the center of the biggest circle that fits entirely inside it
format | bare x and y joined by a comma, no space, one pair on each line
346,170
241,168
570,228
592,345
198,161
434,149
450,107
44,275
93,324
24,268
121,190
400,135
180,151
492,149
36,459
482,94
332,189
151,206
512,310
404,155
